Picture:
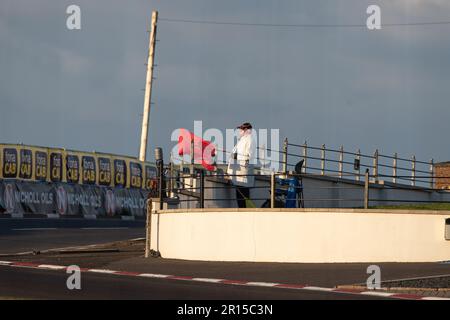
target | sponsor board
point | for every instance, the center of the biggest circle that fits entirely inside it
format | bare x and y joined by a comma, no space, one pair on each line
70,199
56,165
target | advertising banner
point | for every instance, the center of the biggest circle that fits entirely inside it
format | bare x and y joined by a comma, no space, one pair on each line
78,182
56,165
26,164
88,170
104,171
135,175
151,180
70,199
73,168
40,165
10,162
120,173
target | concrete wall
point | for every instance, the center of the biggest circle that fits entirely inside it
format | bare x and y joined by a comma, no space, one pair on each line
301,235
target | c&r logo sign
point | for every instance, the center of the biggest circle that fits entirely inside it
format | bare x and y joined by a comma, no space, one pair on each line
110,203
61,200
9,198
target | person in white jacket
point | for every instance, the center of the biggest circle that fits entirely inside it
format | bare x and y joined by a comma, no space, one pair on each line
240,165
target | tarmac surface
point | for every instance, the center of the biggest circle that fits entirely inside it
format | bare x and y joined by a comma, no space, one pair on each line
22,283
20,235
124,255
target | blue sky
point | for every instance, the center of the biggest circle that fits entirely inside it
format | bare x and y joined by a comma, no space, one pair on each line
386,89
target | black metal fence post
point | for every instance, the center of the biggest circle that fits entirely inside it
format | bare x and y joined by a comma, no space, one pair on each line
160,168
366,190
202,189
272,190
148,228
161,184
285,155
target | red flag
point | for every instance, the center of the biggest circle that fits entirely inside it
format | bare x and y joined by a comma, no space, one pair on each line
204,151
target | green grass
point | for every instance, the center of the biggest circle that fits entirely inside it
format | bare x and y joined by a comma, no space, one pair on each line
419,206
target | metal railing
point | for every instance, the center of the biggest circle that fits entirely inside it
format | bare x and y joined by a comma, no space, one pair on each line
317,161
349,164
343,163
193,187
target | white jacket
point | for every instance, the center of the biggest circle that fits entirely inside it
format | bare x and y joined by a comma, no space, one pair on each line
245,150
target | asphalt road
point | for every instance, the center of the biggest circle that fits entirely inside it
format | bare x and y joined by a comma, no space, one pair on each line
20,235
24,283
315,274
39,234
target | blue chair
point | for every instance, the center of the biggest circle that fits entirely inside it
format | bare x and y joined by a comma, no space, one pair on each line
293,194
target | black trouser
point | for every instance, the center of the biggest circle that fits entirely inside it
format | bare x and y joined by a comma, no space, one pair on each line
241,194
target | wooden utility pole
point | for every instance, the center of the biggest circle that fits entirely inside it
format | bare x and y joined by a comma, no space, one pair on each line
148,88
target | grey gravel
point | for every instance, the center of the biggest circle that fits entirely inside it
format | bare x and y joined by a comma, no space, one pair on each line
438,282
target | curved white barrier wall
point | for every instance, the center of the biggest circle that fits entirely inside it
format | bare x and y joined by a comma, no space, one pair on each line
301,235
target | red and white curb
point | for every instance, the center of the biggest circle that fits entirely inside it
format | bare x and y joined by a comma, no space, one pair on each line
225,281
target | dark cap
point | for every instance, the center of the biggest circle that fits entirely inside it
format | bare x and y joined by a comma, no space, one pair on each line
245,126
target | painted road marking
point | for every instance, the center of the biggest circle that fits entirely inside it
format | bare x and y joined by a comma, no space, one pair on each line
207,280
101,271
92,228
34,229
312,288
106,228
377,293
262,284
52,267
152,275
229,282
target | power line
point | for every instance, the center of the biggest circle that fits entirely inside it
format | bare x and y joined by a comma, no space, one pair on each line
271,25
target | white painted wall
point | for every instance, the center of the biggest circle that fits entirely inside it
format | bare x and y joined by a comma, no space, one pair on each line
296,235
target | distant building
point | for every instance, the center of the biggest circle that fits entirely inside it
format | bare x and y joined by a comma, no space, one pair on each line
442,175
